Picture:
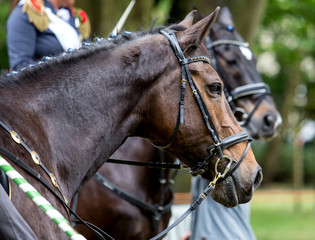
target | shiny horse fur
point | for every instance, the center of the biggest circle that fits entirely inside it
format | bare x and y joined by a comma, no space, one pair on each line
77,109
102,207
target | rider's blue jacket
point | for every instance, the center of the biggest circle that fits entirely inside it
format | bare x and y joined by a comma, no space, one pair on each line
27,42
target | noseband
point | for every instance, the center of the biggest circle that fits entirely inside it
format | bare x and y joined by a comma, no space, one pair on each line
260,89
218,145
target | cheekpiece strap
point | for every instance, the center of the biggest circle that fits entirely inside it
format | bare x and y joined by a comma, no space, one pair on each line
170,35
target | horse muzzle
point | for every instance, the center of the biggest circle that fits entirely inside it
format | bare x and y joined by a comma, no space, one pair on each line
238,187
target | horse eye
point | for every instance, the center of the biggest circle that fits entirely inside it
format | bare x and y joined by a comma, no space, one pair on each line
232,62
215,88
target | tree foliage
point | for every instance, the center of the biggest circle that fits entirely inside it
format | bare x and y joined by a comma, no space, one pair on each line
4,13
285,46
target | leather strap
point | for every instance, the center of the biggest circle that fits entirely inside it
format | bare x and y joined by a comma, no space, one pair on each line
101,234
147,164
153,209
192,208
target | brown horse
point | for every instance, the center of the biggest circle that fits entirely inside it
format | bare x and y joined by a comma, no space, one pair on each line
77,109
102,207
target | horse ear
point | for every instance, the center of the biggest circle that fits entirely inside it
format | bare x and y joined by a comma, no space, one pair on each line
195,34
188,20
225,17
198,15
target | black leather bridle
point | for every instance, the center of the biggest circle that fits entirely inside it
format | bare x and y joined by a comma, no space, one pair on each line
219,145
260,89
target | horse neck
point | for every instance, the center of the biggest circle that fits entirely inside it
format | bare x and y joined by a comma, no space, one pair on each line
83,114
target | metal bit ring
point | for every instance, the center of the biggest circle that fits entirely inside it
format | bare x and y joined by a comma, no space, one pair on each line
227,168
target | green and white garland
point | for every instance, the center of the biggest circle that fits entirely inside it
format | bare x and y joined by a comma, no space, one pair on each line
39,200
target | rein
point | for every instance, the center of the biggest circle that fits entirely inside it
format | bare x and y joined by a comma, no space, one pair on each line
16,137
39,200
156,211
261,89
163,165
153,209
101,234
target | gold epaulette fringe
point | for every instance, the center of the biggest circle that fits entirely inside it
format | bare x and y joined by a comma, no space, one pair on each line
39,19
85,29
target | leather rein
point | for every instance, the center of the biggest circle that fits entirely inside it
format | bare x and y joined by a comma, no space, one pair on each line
155,211
3,151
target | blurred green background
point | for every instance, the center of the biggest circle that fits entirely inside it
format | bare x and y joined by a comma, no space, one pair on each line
281,33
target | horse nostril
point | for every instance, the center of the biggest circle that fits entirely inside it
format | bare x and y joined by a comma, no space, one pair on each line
269,121
258,179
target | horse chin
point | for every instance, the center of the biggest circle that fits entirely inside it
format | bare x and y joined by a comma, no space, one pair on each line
229,193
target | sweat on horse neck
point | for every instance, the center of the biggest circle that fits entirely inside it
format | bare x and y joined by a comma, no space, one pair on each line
74,103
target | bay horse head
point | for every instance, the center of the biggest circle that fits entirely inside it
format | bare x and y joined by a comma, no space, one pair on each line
249,97
140,222
209,138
